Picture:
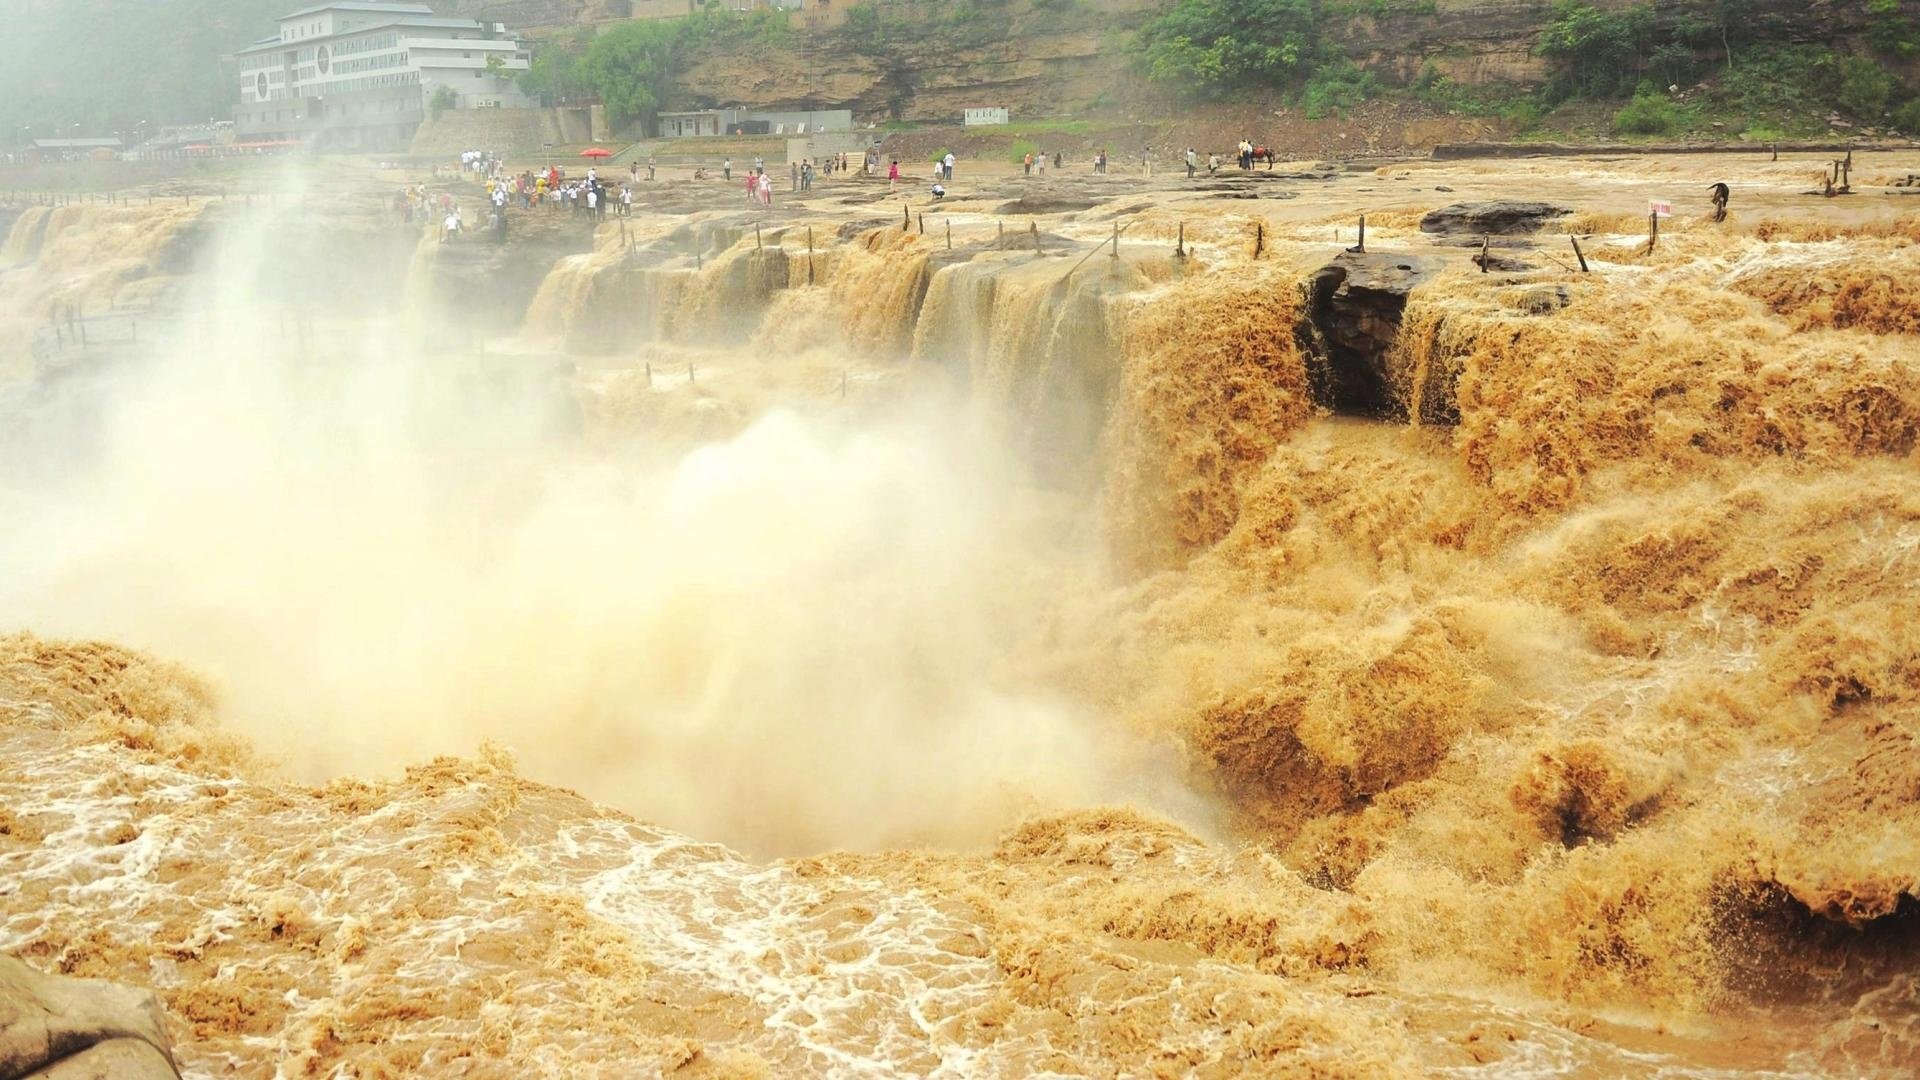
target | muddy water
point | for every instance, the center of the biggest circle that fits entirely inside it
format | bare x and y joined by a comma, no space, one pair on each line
1576,739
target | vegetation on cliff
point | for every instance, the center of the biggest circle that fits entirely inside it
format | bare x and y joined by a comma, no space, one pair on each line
1742,61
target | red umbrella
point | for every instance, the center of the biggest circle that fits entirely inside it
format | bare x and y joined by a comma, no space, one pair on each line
595,151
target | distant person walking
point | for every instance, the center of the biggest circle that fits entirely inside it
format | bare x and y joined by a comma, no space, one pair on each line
726,169
1193,161
893,175
947,162
1026,164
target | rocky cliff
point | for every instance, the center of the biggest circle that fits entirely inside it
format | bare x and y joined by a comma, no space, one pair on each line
931,59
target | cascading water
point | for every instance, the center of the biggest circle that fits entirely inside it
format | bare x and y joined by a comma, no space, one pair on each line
1165,723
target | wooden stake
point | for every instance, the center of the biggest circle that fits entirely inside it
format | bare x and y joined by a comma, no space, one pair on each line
689,374
906,218
1653,230
949,234
1361,247
1035,227
758,246
1485,242
923,224
1116,240
1180,243
1577,253
649,373
1259,238
809,254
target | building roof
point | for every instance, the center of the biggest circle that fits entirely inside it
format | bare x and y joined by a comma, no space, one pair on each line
428,20
353,5
76,144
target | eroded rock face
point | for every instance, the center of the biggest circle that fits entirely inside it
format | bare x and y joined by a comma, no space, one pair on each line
58,1028
1354,309
1503,217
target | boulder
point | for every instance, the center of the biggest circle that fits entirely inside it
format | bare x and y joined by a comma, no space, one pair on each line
1355,305
1504,217
56,1028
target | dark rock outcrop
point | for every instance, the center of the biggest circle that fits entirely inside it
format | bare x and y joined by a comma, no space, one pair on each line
1503,217
1049,203
1354,309
57,1028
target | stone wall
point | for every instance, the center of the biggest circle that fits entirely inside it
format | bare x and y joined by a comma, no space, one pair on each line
508,131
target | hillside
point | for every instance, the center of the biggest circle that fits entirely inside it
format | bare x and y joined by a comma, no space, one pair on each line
927,60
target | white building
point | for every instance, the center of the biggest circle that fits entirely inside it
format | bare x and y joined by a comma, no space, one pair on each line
364,75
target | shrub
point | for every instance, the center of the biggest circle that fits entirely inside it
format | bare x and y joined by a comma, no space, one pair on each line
1907,116
1889,31
1647,114
1596,53
1018,152
1863,87
1337,86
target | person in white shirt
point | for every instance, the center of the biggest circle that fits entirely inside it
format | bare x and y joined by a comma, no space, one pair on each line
947,163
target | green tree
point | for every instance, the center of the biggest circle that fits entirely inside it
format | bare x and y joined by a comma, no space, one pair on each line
1596,53
632,66
555,74
1215,47
441,100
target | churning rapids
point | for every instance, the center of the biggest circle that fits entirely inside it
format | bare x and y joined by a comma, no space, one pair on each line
830,643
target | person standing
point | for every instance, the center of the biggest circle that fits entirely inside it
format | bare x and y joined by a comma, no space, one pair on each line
726,169
651,162
1193,162
948,162
1026,164
893,175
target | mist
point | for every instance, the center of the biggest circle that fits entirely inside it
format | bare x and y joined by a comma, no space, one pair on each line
808,635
